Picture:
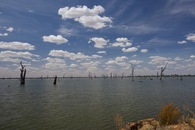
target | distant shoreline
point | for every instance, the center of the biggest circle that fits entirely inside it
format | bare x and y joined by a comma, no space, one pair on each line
105,77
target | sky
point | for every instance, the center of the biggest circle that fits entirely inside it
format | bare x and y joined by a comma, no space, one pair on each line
78,37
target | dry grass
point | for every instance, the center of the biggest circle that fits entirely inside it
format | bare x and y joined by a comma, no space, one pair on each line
188,116
118,119
188,112
169,115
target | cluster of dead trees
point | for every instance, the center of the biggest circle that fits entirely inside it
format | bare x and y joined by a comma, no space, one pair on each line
23,73
161,71
91,76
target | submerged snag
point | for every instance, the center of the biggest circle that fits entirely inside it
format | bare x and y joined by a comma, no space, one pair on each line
90,76
122,75
55,80
132,71
22,73
111,75
157,75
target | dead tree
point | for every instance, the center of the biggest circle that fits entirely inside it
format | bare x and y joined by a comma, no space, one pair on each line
55,80
94,75
162,70
22,73
111,75
132,71
122,75
90,76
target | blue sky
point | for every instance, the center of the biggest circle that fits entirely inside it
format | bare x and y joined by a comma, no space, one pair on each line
74,37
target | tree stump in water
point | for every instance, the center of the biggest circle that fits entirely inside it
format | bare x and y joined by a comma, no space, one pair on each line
55,80
22,74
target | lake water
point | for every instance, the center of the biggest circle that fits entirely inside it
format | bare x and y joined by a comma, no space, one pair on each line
84,104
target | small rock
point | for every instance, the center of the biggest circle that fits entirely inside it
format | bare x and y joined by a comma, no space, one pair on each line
132,126
145,123
155,123
192,122
147,127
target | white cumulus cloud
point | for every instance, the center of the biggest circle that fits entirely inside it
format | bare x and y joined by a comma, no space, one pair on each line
72,56
13,56
55,63
73,65
3,34
111,62
101,52
6,30
67,32
192,56
66,54
96,56
136,62
95,22
144,50
160,60
99,42
122,58
122,39
131,49
76,12
55,39
178,59
182,42
86,16
16,46
191,37
122,42
10,29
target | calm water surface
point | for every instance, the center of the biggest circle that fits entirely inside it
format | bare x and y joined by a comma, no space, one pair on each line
84,104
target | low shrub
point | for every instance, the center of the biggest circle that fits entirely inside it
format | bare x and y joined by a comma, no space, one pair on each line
169,115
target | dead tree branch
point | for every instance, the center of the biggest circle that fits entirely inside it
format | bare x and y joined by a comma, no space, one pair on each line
162,70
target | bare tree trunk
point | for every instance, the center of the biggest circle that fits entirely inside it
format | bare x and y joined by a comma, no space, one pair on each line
90,76
94,76
122,76
55,80
132,71
22,73
162,70
111,75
